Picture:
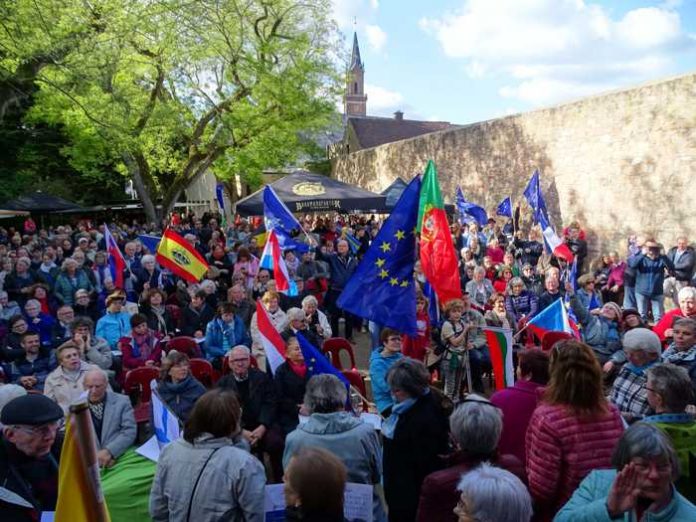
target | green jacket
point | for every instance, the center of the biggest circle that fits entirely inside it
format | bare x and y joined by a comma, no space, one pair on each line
588,504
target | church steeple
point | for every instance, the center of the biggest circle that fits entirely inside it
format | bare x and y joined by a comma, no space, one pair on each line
355,99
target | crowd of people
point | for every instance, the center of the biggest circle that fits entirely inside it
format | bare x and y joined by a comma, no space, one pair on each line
595,428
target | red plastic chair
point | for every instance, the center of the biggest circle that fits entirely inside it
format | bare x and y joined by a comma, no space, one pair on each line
203,371
334,347
137,386
356,380
183,344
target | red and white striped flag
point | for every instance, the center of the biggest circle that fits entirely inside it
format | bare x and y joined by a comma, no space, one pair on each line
272,259
273,343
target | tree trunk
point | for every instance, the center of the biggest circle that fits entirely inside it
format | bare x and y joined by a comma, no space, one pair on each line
141,188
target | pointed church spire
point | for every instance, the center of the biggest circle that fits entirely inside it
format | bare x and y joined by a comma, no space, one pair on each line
355,61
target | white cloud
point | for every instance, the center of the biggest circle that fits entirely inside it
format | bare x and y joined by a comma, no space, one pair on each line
376,37
381,101
555,49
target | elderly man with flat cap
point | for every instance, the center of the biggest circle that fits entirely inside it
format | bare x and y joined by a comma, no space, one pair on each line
29,455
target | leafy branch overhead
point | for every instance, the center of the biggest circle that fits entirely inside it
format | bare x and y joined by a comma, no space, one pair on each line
171,88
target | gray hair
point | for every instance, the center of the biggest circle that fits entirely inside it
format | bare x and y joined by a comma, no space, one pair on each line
688,292
147,259
100,372
517,281
408,375
3,293
207,283
68,261
685,321
242,347
477,424
495,495
9,392
479,270
32,302
648,442
325,393
295,314
310,300
673,384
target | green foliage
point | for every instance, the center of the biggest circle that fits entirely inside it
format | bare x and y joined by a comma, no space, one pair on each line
164,89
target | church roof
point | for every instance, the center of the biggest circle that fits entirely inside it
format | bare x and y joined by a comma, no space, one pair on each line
355,60
373,131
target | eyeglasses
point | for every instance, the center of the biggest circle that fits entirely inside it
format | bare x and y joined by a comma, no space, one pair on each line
42,430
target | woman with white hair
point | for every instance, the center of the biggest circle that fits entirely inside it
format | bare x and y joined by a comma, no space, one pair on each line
639,488
476,425
69,281
664,328
316,319
490,494
629,392
479,288
148,276
331,427
18,282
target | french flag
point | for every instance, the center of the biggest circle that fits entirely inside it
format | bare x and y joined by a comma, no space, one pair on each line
553,318
116,262
272,342
553,242
272,259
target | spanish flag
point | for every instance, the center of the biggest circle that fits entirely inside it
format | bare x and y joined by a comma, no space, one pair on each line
179,256
80,497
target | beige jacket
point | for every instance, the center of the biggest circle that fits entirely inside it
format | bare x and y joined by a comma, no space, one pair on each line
63,389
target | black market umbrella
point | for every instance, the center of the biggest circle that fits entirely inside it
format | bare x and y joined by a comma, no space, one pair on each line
39,202
304,191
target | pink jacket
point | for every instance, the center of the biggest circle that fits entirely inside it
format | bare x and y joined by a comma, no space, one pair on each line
562,449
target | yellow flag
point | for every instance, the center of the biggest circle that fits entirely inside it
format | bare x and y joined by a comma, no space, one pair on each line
80,497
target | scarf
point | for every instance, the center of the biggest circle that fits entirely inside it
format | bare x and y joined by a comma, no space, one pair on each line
640,370
159,314
97,409
674,356
389,424
670,418
298,369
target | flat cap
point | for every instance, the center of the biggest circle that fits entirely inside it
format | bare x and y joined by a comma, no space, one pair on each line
31,410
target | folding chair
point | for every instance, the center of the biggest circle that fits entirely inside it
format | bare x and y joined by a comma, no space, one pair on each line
334,347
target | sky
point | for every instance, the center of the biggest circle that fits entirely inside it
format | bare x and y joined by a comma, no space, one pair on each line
464,61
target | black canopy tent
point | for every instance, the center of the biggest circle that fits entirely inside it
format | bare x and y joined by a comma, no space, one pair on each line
304,191
393,192
39,202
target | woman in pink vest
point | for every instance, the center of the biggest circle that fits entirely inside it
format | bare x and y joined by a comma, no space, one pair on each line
573,431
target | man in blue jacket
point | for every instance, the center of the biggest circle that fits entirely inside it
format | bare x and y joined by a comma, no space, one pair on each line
224,332
650,266
341,267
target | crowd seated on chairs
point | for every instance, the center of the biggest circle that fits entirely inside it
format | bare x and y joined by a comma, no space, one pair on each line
65,328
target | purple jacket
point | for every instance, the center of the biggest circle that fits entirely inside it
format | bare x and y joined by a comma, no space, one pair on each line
517,404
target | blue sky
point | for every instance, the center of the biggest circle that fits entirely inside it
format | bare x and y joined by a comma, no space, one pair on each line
470,60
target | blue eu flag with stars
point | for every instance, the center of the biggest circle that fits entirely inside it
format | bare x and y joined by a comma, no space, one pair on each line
382,288
317,363
504,208
467,208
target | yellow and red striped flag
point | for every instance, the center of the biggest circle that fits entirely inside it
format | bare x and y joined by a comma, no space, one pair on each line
179,256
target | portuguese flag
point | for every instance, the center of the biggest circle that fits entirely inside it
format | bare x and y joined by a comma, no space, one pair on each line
500,347
437,257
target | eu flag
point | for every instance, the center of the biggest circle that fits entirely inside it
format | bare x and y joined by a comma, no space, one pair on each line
150,242
467,208
317,363
276,216
382,288
535,198
504,208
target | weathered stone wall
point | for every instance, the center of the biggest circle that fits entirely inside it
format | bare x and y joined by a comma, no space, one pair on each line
620,163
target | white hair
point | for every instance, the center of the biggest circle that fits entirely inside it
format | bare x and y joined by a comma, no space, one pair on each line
495,495
310,300
688,292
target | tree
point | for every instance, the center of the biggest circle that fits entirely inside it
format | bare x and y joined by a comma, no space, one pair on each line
167,89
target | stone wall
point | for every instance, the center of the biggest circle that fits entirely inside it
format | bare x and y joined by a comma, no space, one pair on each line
620,163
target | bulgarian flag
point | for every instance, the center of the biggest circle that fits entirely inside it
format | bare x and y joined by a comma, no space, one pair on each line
437,257
500,347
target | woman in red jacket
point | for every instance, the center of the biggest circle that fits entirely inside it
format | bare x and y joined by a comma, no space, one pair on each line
573,430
